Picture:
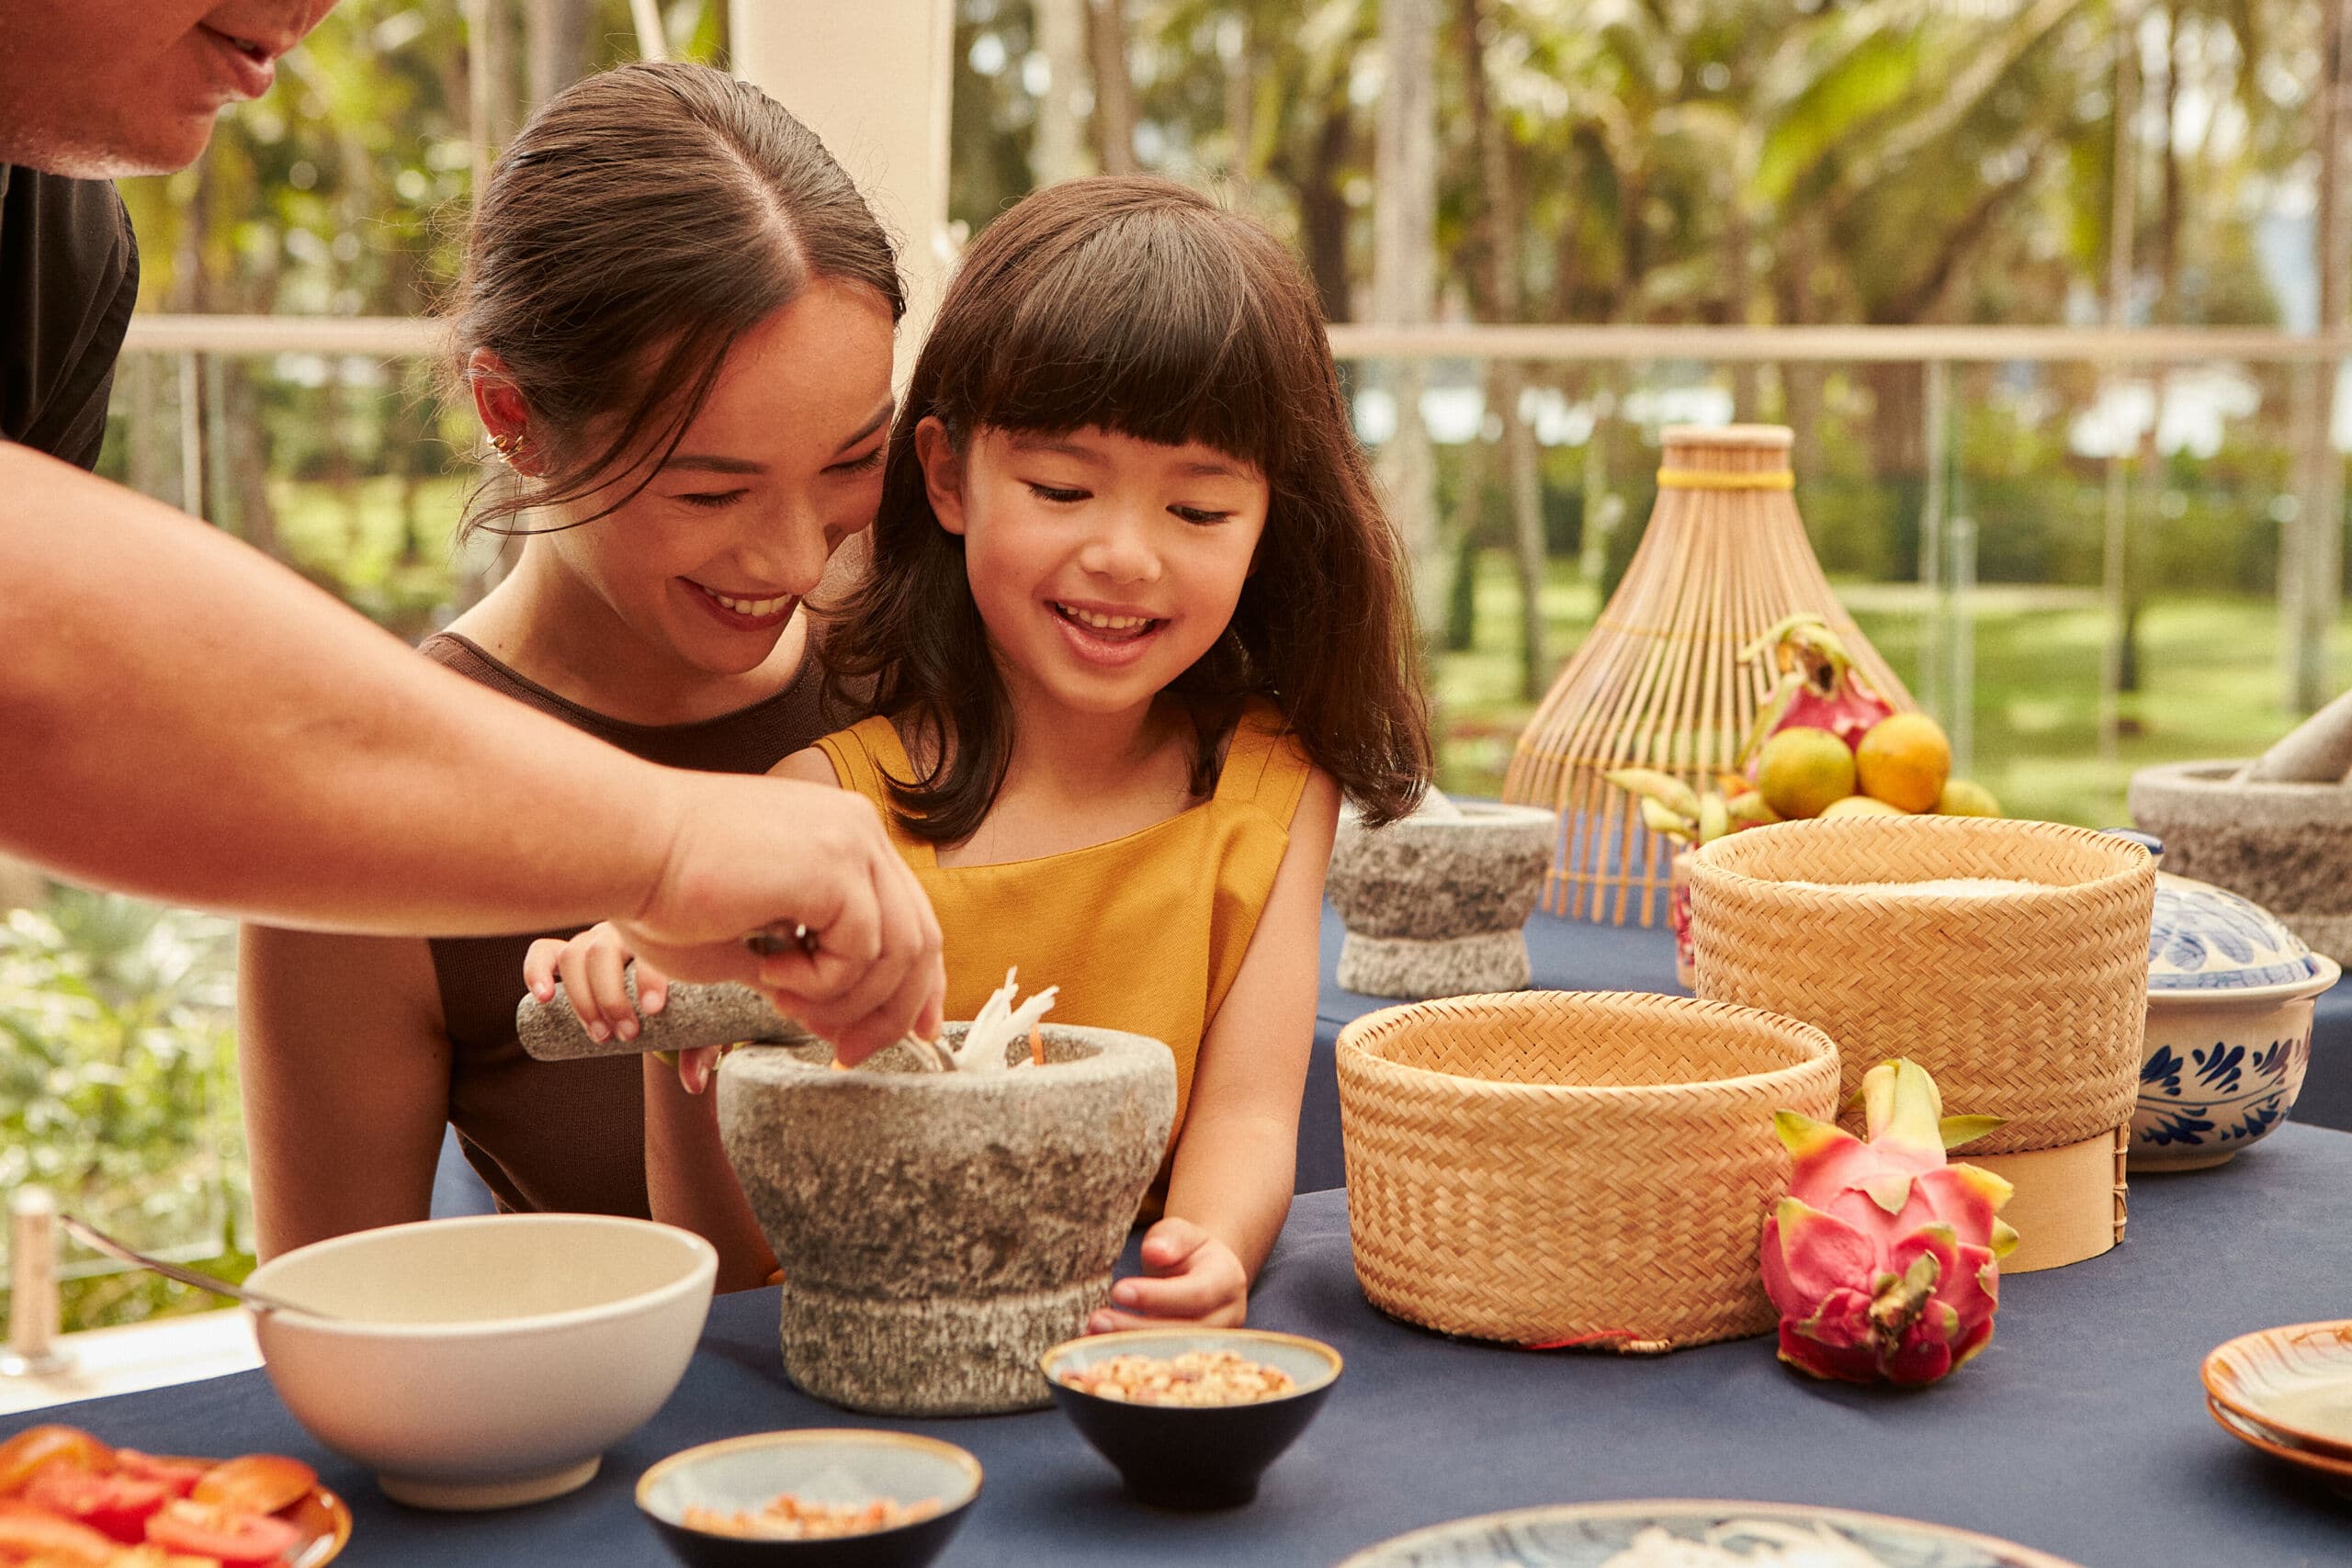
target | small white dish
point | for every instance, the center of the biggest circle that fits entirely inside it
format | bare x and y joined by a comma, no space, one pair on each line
485,1362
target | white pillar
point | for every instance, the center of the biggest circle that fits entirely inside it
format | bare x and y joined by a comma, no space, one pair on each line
873,81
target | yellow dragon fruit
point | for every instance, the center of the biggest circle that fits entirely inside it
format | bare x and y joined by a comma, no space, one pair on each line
1884,1260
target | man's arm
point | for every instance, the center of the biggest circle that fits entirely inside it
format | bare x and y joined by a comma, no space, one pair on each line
183,719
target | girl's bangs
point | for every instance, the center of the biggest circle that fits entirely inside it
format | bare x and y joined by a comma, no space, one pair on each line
1151,328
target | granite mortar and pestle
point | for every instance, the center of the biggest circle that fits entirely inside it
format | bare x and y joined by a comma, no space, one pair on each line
2277,830
939,1231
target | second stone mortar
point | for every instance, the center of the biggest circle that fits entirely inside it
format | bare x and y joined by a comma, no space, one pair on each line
1435,904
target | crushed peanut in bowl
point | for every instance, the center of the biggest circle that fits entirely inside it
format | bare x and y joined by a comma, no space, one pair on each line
788,1518
1195,1378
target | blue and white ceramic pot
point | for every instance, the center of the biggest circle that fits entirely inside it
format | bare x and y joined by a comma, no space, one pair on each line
2231,992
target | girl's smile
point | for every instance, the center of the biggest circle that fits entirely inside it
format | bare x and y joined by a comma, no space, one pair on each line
1108,636
1104,565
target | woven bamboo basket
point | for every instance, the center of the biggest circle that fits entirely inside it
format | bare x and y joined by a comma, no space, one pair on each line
2029,1005
1659,683
1548,1167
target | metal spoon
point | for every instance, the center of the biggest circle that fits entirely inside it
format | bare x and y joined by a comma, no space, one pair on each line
260,1301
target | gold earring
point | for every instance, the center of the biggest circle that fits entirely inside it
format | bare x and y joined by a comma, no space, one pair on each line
506,445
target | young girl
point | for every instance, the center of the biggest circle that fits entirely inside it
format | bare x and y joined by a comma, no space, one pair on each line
676,324
1136,624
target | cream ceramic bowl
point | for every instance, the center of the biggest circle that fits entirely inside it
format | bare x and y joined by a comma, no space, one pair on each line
485,1362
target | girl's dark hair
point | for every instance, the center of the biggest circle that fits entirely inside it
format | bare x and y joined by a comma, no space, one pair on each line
640,224
1139,306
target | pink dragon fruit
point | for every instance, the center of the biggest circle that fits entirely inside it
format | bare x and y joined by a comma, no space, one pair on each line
1818,686
1884,1260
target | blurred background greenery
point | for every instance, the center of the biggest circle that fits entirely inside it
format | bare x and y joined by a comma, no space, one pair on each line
1597,161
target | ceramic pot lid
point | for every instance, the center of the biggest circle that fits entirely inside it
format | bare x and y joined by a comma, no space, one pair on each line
2208,939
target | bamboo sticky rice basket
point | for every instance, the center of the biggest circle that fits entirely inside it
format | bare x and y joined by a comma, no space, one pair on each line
1548,1167
2027,1003
1660,683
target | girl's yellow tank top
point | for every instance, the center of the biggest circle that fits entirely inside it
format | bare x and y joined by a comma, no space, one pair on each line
1143,932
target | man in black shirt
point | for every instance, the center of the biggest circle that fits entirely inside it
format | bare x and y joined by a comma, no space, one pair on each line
69,274
182,717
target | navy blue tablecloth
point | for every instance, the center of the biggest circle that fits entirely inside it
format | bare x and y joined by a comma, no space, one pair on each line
2081,1431
1578,955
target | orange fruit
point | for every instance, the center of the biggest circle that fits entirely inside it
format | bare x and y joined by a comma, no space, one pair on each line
1801,770
1962,798
1905,761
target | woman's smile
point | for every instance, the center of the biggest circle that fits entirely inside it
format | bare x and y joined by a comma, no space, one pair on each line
744,612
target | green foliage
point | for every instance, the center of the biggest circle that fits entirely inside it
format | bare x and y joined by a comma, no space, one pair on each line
117,1087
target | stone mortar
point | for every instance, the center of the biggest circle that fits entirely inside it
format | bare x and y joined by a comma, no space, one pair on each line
939,1232
2288,847
1435,905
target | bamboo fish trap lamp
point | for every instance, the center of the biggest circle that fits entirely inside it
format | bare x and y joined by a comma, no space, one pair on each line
1659,683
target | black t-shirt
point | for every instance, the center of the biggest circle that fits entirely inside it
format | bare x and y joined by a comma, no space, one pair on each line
69,274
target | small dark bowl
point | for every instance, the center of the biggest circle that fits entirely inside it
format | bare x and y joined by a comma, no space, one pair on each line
1175,1456
822,1465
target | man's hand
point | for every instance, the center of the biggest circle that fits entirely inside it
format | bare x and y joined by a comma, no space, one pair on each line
1189,1277
752,854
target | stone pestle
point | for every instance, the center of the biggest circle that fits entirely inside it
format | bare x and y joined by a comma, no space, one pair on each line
694,1015
2318,750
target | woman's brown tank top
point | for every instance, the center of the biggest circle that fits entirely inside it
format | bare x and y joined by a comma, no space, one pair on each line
569,1136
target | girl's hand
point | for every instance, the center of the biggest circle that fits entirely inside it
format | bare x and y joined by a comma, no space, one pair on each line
590,966
1189,1277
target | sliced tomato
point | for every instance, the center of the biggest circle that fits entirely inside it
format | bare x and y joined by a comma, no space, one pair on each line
28,1531
258,1483
238,1538
116,1506
179,1476
37,1448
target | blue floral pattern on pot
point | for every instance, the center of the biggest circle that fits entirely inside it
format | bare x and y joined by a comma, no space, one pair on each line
2208,1102
2230,995
2204,938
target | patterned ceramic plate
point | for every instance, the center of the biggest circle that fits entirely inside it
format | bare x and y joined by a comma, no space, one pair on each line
2294,1382
1678,1532
2335,1473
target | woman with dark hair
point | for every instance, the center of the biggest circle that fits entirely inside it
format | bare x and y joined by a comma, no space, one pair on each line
1136,624
676,321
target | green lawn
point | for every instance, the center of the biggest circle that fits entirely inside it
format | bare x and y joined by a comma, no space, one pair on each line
2211,688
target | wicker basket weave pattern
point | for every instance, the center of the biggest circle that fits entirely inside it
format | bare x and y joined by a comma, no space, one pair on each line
1542,1166
2028,1005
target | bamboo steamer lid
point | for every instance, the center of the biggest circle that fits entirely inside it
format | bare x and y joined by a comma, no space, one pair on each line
1659,683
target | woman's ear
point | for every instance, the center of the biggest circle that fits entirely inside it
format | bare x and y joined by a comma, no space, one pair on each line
498,401
943,472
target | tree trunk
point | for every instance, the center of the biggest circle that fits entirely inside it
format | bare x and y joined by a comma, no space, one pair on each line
1059,151
1323,217
489,85
1115,92
559,46
1504,299
1404,279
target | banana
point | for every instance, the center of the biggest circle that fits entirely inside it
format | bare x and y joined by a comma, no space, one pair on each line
1649,783
1664,820
1715,817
